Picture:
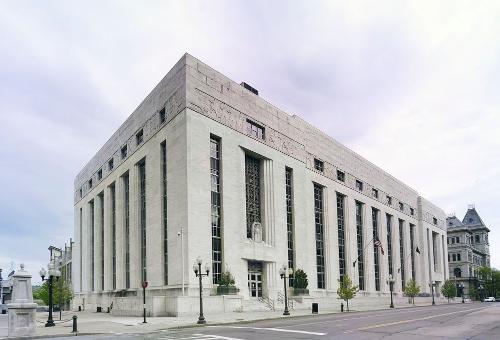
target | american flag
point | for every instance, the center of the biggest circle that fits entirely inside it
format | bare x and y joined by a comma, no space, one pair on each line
377,243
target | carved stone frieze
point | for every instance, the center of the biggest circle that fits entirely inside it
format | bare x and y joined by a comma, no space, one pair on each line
236,120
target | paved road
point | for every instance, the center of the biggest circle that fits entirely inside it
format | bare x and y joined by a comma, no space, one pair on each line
456,321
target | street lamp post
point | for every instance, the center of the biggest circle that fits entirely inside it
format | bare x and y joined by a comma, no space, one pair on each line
391,286
461,286
1,288
144,286
199,274
52,273
283,272
432,285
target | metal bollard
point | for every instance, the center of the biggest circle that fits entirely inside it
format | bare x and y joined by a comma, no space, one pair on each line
75,326
342,307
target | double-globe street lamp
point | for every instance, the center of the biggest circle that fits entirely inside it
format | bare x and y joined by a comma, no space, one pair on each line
283,274
391,288
481,293
461,286
432,285
199,274
53,273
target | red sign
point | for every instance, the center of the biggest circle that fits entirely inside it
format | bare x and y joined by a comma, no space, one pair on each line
145,284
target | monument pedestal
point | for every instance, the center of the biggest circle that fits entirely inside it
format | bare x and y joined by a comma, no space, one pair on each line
22,310
22,319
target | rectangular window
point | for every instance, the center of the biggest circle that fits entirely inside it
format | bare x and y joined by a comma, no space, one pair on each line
376,259
412,245
81,247
164,212
162,116
99,174
359,185
142,217
81,192
318,220
101,226
124,151
253,195
139,137
401,206
412,211
375,193
434,221
90,183
360,243
389,242
341,234
92,236
289,218
255,129
319,165
388,199
401,251
112,193
111,164
215,174
434,249
340,175
458,257
454,256
126,210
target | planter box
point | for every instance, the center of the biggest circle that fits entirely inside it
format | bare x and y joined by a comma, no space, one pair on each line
226,290
300,291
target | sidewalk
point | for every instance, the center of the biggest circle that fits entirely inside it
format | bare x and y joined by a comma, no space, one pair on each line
104,323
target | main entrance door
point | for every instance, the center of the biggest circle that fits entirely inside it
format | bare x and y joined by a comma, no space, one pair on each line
255,279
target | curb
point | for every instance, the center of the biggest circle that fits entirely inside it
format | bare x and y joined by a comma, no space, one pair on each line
194,325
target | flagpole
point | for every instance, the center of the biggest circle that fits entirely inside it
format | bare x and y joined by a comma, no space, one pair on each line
354,263
407,256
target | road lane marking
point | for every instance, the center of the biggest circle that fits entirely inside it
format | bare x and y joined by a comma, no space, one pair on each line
274,329
388,312
410,320
199,337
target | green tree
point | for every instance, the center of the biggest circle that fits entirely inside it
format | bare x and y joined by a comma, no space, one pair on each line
226,279
490,278
473,293
411,290
449,289
300,279
346,290
42,293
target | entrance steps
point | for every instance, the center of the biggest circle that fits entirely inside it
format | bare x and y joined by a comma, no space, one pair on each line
257,305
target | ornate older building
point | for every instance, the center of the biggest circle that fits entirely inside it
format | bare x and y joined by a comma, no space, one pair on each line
248,188
468,249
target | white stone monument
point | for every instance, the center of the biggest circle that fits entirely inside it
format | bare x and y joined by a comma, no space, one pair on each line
22,309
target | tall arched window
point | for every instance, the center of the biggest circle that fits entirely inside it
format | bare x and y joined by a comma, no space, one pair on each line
458,272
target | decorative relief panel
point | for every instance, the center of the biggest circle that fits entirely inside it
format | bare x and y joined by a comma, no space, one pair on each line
236,120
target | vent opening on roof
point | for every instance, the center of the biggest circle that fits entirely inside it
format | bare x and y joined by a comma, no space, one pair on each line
250,88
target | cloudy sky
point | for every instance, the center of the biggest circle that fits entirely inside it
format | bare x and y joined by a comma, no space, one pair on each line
412,86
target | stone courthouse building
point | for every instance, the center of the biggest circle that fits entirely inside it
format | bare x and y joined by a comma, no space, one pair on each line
468,247
248,188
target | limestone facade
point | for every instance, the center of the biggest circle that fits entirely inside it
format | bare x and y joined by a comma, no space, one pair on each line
195,109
